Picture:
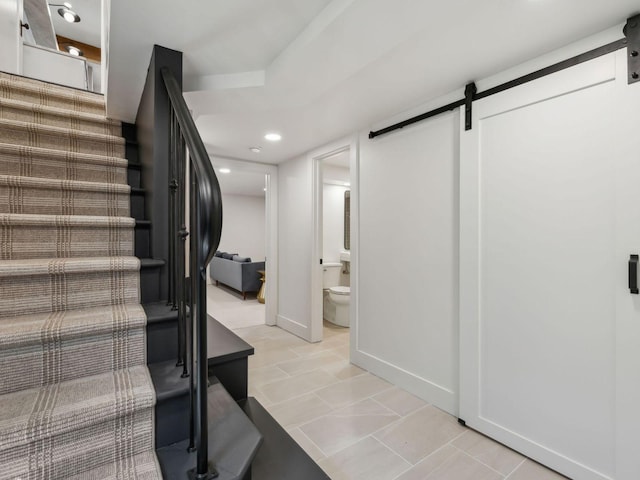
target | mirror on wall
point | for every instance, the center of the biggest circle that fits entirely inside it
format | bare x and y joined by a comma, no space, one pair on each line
347,220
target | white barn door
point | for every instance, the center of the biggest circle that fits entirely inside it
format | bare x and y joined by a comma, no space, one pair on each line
550,213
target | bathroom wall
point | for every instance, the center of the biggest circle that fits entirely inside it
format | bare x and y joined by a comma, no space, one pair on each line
243,229
333,212
332,222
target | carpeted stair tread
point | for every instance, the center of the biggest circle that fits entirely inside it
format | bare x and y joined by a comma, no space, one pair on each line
32,286
97,221
26,330
31,195
96,428
66,266
42,349
68,405
36,91
76,397
46,163
55,138
77,451
57,117
143,466
46,183
60,236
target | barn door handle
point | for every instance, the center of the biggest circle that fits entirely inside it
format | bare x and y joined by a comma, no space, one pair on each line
633,274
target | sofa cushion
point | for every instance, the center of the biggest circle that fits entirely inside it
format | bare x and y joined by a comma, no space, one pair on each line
238,258
228,256
218,253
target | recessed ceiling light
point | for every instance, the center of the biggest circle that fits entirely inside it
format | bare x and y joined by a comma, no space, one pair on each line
75,51
273,137
68,5
264,189
255,149
225,170
69,15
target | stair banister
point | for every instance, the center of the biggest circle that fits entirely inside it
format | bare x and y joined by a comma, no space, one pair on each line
205,228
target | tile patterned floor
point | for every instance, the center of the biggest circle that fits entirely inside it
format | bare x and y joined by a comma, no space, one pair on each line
356,425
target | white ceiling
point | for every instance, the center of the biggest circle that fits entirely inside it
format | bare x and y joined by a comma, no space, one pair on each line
317,70
240,182
87,30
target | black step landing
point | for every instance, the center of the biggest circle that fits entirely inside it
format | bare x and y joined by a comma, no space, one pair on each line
228,358
279,457
233,441
227,362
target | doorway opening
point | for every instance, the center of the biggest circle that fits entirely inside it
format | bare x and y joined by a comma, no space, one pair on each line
334,281
240,294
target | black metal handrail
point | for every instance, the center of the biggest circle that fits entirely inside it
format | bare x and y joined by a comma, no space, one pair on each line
205,228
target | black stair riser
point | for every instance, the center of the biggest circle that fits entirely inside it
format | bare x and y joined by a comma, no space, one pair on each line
162,341
133,177
137,204
150,285
233,377
142,242
131,151
172,420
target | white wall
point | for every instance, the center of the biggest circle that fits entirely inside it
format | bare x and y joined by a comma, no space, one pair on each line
408,257
9,36
295,225
405,282
333,173
243,229
53,66
332,222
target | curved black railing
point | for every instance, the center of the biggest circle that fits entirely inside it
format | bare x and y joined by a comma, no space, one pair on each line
188,154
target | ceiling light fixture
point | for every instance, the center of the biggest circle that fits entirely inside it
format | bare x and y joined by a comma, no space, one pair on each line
273,137
75,51
66,12
225,170
255,149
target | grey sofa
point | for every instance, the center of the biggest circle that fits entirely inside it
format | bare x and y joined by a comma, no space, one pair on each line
236,272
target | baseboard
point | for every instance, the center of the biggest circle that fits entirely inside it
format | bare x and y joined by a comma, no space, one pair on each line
430,392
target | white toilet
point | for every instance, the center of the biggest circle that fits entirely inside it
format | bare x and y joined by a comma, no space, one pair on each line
336,298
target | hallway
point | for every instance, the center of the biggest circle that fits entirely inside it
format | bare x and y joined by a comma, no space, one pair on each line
357,426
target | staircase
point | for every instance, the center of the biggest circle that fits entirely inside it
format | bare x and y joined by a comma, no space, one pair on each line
76,397
82,314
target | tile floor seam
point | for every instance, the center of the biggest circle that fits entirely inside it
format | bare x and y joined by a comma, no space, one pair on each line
298,396
373,434
283,371
314,443
392,410
395,452
479,461
358,439
516,469
334,409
